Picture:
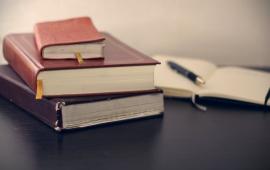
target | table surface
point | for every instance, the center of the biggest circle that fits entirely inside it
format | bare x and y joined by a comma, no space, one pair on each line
224,137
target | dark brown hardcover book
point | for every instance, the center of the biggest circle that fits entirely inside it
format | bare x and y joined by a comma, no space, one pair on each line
123,69
77,112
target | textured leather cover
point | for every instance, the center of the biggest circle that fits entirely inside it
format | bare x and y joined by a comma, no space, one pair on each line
16,91
21,53
63,32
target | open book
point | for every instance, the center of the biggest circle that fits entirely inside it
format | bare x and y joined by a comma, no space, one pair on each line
233,83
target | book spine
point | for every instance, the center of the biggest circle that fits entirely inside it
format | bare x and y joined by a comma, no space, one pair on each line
43,109
20,63
38,39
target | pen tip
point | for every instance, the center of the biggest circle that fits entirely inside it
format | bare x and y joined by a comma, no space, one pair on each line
199,81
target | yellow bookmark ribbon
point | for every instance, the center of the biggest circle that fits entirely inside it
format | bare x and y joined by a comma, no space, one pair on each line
79,58
39,93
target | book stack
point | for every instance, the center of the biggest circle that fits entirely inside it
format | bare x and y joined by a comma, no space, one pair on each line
69,75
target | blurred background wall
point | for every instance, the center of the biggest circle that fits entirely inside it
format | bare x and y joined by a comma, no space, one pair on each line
223,31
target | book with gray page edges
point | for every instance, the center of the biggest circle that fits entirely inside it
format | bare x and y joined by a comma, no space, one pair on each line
72,112
229,83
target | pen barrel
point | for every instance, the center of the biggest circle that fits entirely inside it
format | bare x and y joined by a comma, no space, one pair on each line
192,76
185,72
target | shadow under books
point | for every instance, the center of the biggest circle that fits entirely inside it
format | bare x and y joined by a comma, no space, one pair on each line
37,142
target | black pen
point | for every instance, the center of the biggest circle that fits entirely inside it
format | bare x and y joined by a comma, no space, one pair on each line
185,72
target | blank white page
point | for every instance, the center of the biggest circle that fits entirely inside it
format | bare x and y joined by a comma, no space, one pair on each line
238,83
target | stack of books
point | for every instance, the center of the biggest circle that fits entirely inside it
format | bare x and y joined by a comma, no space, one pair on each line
69,75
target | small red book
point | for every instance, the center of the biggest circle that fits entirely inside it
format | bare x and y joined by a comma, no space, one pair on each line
66,38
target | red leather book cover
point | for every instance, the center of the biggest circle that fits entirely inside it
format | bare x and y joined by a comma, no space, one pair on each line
21,53
64,32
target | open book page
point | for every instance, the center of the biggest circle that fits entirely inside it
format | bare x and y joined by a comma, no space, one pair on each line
174,84
238,84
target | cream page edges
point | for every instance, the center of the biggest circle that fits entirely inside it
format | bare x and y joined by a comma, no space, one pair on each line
226,82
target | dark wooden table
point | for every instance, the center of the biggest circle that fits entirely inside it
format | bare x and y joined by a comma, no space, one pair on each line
225,137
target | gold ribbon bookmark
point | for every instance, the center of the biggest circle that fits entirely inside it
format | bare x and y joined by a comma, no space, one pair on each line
79,58
39,93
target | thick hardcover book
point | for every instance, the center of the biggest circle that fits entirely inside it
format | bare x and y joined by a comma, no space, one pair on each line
77,112
123,69
63,38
